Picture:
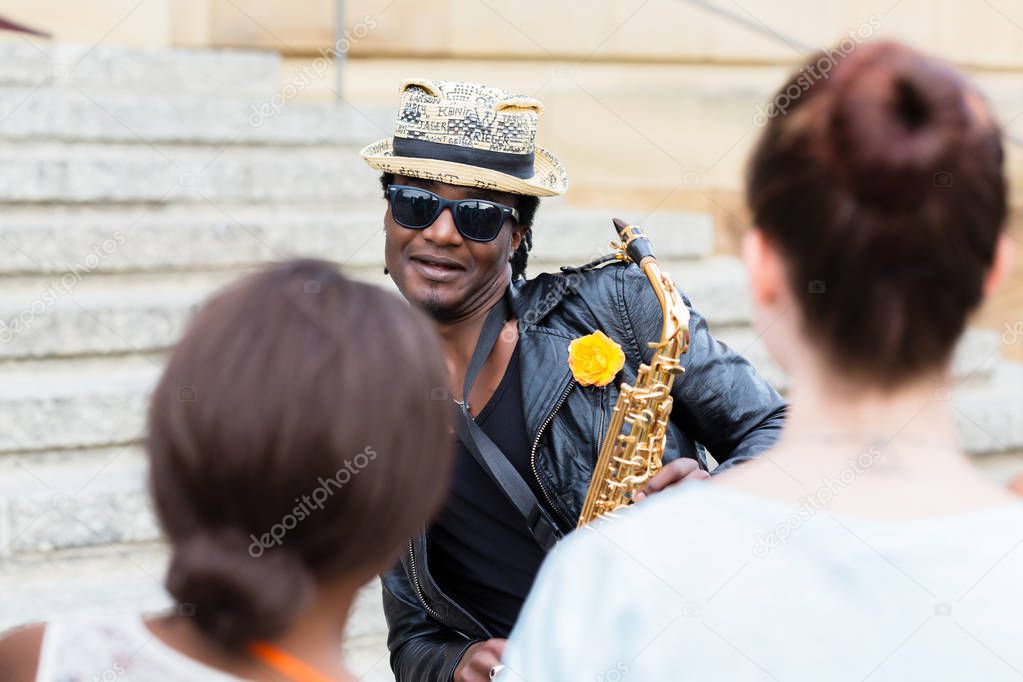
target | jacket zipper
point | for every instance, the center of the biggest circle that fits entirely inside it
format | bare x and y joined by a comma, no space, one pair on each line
415,582
600,428
536,444
422,598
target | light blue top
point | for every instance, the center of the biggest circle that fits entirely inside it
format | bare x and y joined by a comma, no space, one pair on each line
705,583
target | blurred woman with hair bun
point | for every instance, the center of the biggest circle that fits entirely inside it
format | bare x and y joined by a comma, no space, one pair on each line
865,545
286,469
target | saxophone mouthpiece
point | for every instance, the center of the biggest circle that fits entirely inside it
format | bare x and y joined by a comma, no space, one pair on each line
637,246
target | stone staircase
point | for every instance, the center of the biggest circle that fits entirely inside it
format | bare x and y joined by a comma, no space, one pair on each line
124,206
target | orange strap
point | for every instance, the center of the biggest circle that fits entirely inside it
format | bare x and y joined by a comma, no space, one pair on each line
286,664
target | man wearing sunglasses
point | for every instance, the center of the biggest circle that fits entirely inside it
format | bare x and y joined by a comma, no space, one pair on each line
462,176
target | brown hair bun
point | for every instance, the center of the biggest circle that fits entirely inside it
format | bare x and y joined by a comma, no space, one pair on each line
882,186
233,596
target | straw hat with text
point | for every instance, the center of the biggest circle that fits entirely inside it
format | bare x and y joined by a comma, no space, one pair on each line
468,134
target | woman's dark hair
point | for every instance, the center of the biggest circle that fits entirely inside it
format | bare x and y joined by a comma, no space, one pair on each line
294,438
526,206
882,187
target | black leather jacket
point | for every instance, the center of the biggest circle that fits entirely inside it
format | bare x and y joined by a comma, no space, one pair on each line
721,403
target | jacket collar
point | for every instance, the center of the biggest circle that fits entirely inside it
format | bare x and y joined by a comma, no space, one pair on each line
532,299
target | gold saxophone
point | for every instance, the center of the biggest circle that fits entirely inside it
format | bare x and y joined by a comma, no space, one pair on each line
634,444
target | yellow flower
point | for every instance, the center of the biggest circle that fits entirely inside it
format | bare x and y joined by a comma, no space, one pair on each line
595,359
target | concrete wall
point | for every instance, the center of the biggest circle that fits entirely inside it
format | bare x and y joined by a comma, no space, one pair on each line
650,103
985,35
673,30
115,22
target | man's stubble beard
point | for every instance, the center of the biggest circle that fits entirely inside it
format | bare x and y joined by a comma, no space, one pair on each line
435,308
432,303
447,312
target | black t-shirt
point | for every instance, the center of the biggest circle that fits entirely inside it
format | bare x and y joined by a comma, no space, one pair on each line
481,553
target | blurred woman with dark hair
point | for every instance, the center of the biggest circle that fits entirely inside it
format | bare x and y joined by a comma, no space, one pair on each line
286,442
864,545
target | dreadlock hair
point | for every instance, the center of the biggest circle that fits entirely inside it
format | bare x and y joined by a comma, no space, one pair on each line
526,206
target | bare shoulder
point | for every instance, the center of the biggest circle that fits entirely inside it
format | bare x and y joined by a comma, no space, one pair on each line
19,653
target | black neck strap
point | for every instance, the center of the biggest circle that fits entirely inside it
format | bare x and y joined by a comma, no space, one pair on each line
492,326
486,452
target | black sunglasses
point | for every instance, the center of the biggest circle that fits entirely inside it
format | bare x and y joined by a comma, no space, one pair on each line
476,219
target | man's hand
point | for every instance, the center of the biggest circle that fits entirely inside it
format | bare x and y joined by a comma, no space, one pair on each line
673,473
478,660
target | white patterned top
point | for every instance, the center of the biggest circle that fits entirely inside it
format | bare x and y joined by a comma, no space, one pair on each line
115,648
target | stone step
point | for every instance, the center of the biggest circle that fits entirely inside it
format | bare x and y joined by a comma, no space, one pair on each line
223,73
73,403
717,287
78,115
61,239
991,419
984,393
63,500
94,307
976,358
567,235
96,173
129,579
72,499
51,323
112,579
123,314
